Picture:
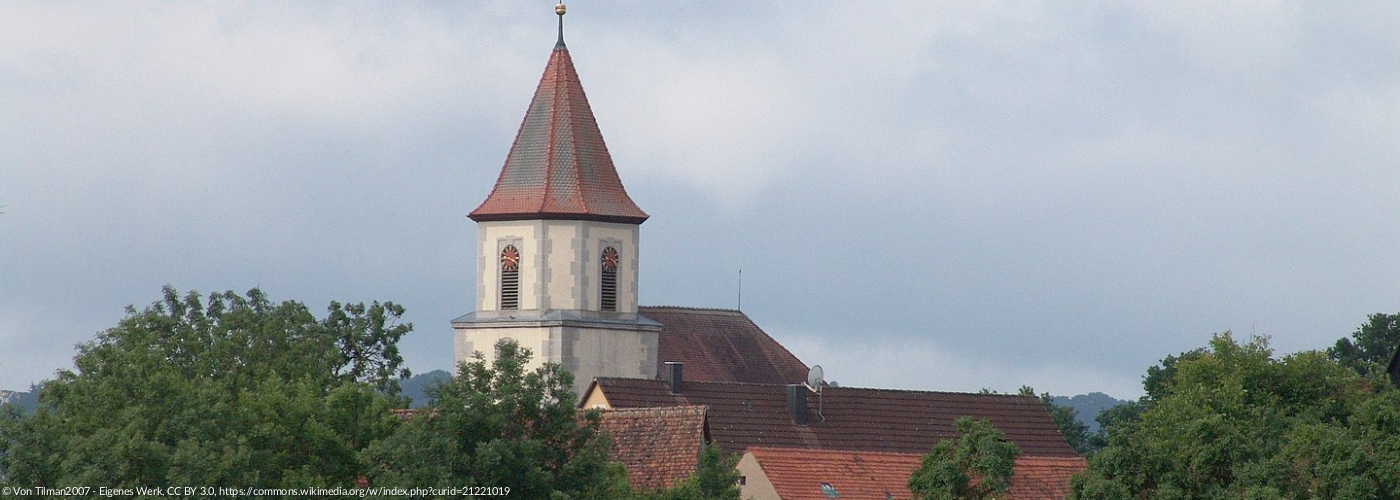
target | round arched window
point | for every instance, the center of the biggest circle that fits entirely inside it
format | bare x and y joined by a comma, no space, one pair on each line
608,295
510,277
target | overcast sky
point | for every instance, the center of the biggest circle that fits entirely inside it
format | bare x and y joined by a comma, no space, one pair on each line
920,195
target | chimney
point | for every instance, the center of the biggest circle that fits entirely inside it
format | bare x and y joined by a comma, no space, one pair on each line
673,376
797,403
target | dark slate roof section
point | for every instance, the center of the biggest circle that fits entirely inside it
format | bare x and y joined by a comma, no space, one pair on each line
559,167
659,446
844,418
721,345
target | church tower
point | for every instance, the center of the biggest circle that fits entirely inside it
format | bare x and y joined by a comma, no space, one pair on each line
557,245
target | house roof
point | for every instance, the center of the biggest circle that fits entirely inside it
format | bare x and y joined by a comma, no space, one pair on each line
659,446
1043,478
798,474
743,416
559,167
721,345
406,414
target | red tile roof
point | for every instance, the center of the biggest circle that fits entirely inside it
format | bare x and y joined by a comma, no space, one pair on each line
659,446
797,474
559,167
1043,478
406,414
722,345
742,416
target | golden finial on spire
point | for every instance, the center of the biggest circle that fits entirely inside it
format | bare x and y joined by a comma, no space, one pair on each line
560,9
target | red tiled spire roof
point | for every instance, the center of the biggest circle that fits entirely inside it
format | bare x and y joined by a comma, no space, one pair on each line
559,167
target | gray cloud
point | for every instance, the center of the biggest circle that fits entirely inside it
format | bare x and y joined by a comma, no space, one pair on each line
1056,193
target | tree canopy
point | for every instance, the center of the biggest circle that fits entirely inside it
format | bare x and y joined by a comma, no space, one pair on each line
501,425
1371,346
237,391
980,452
228,390
1233,421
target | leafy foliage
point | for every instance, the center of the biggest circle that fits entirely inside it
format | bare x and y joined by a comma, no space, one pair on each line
502,425
948,470
1371,346
367,337
1232,421
235,391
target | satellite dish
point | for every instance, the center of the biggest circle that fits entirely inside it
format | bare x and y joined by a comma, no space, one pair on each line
814,378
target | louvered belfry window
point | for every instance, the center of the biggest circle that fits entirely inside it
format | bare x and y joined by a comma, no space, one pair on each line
608,299
510,277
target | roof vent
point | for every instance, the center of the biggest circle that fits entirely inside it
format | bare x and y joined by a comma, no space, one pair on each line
674,376
797,403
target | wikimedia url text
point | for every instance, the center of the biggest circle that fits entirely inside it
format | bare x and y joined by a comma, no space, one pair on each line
209,491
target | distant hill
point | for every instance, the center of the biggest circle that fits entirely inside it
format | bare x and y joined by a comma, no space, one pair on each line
1088,406
416,386
25,400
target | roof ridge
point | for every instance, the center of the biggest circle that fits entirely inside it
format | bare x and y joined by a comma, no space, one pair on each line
689,382
1048,458
882,389
837,388
554,104
576,167
692,382
692,308
789,449
683,409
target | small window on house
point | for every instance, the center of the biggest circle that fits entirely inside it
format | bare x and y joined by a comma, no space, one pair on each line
510,278
608,299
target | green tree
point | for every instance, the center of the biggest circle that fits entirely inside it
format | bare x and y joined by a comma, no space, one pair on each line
1232,421
229,391
1117,419
1371,346
981,453
1157,382
501,425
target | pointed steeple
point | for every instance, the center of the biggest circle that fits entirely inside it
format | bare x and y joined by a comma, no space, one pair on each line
559,167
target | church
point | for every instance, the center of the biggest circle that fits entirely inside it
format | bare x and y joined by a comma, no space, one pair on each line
558,243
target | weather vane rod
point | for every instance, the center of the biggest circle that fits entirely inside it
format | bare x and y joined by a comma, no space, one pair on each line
560,9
